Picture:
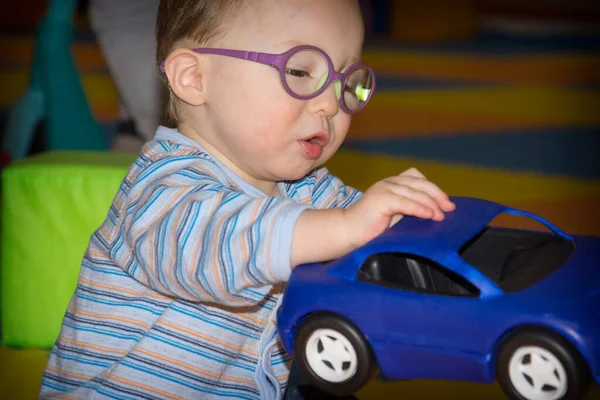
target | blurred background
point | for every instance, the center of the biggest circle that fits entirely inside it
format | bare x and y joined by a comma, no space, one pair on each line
498,99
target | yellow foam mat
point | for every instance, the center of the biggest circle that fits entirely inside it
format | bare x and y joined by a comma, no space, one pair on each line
568,202
361,170
21,373
552,104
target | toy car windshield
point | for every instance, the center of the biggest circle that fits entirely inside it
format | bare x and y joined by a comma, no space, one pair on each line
516,258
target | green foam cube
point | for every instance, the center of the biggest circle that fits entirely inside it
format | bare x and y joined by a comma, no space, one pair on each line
51,205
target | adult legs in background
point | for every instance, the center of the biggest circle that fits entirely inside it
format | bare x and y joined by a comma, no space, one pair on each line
125,31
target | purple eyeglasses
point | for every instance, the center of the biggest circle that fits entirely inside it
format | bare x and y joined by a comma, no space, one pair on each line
306,71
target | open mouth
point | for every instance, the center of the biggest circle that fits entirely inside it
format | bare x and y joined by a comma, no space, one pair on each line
312,146
316,139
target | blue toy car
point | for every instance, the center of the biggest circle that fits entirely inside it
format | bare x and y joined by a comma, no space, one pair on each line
459,299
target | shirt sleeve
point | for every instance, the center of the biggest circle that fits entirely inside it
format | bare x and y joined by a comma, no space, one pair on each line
330,192
187,234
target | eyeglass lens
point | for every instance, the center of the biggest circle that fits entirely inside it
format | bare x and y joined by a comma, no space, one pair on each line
306,71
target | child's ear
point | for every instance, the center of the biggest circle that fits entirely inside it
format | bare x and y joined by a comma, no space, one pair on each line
184,70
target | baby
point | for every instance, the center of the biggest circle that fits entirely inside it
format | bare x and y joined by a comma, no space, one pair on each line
179,287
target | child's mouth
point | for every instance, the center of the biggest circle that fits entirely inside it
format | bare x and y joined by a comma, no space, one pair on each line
313,146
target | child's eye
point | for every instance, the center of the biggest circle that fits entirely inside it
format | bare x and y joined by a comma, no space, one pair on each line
297,73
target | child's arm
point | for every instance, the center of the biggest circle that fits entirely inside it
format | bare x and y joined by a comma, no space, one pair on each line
328,234
330,192
187,235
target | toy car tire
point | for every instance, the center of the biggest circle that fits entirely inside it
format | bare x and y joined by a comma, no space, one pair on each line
351,365
533,364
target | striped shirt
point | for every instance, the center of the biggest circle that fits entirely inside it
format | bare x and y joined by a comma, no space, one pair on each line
178,288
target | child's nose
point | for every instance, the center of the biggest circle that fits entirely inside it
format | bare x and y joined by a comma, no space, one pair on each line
327,102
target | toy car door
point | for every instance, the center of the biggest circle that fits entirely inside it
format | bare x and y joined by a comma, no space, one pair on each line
453,340
401,313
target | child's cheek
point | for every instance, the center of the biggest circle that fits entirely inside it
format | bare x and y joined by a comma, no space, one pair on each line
341,125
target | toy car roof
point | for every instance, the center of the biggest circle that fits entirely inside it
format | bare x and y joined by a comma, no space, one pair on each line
469,218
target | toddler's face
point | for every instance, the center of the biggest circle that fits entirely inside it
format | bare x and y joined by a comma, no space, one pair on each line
267,134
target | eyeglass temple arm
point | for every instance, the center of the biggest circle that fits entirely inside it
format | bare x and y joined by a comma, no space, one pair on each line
262,58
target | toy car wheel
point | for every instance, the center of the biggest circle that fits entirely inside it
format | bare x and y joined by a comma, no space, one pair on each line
537,365
333,355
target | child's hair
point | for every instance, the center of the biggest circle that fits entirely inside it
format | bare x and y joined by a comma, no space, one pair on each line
198,20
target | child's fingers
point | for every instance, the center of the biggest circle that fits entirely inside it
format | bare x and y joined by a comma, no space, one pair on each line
415,173
396,203
420,197
447,205
434,191
443,200
406,206
424,185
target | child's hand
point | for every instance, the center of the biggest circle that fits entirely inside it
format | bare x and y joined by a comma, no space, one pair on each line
327,234
384,203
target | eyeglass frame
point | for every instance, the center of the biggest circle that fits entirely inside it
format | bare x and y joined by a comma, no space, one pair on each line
278,61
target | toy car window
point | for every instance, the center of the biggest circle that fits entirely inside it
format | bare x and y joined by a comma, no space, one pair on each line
387,269
442,281
516,258
407,272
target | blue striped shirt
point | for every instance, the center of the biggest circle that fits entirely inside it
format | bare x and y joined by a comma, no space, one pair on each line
178,288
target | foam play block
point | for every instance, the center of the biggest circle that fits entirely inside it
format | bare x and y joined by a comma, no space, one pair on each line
51,204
